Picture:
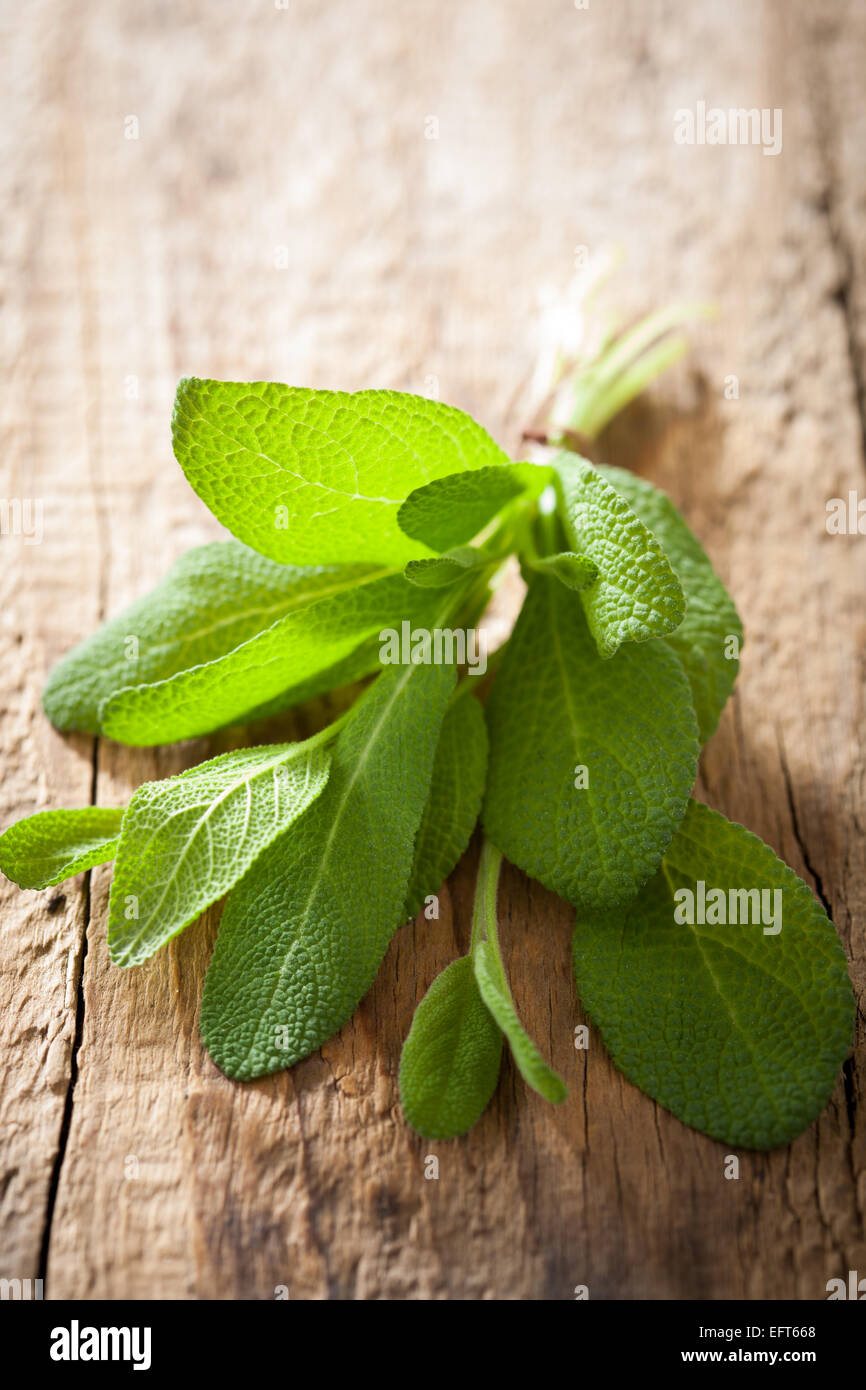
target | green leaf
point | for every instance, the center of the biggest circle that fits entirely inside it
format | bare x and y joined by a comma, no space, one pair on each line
188,839
364,660
704,637
212,599
292,660
453,510
637,595
493,984
317,477
559,717
303,933
450,1060
574,571
50,846
440,571
453,802
493,987
740,1033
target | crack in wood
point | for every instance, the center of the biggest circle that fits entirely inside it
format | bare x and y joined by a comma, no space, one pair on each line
830,206
78,1033
795,826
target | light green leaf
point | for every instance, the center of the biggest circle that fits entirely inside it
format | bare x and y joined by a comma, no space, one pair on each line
290,661
212,599
188,839
574,571
364,660
493,987
317,477
493,983
740,1033
453,510
304,932
50,846
637,595
450,1060
591,761
453,802
440,571
710,635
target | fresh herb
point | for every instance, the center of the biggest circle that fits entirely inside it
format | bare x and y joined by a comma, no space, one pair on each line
370,531
186,841
450,1062
53,845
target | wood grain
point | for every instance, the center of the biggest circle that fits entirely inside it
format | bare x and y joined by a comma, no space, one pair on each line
131,1166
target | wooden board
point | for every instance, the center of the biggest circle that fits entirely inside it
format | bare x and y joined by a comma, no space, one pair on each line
282,214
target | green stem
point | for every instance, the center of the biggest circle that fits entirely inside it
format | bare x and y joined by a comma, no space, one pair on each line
547,526
484,906
469,606
632,381
627,364
628,347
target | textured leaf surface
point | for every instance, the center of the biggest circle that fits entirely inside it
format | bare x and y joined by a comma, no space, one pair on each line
450,1060
282,663
440,571
212,599
50,846
637,595
453,802
188,839
556,706
362,661
574,571
739,1033
494,990
303,934
452,510
711,619
317,477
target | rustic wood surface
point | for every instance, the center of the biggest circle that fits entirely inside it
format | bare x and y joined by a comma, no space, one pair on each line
131,1166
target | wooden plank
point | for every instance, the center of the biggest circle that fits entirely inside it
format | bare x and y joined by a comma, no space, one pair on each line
409,259
49,543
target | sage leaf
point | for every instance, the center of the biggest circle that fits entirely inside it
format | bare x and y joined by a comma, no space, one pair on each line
637,595
453,801
574,571
493,985
188,839
738,1030
45,848
453,510
450,1061
440,571
294,659
213,599
304,932
710,637
317,477
591,761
